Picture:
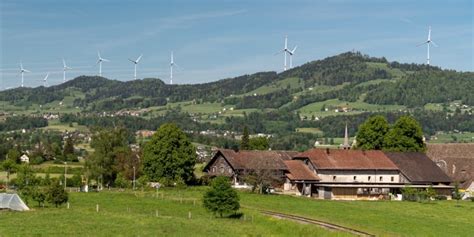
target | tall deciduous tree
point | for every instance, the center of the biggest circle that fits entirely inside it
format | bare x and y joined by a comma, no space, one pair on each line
221,198
108,146
405,135
372,132
258,143
244,143
169,155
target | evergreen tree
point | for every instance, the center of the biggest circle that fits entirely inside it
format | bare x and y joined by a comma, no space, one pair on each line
244,143
372,132
169,155
405,135
221,198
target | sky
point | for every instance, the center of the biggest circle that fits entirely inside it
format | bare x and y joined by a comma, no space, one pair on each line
213,40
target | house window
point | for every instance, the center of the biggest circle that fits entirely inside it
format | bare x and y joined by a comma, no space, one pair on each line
222,169
213,169
368,178
333,178
355,177
380,178
230,170
392,178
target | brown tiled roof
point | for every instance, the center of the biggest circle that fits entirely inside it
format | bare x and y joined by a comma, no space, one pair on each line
418,168
455,159
299,171
256,159
348,159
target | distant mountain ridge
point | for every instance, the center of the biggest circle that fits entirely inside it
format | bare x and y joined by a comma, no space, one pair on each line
349,76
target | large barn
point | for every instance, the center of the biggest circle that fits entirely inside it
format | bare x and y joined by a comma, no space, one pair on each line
456,160
334,173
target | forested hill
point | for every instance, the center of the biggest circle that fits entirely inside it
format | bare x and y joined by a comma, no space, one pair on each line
348,76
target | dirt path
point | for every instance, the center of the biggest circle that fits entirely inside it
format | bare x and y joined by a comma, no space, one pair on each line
315,222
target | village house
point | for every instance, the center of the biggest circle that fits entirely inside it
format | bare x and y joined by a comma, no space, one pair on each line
457,161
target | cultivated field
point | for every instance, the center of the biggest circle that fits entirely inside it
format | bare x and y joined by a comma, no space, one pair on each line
149,214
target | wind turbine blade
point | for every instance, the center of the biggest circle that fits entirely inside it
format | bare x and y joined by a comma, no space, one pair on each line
105,60
138,59
64,63
25,70
46,77
418,45
132,61
98,61
294,49
434,44
98,54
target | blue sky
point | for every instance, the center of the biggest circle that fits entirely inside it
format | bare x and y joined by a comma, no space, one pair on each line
213,40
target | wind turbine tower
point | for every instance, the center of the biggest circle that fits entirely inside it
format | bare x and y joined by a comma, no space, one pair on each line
171,68
100,62
284,51
135,62
65,68
22,71
428,43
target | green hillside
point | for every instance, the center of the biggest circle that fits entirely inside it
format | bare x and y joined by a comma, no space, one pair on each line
345,88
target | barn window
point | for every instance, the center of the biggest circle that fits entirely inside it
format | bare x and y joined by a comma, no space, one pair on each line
230,170
355,177
333,178
222,169
368,178
380,178
392,178
213,169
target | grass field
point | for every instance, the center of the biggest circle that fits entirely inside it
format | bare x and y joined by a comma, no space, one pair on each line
126,214
129,214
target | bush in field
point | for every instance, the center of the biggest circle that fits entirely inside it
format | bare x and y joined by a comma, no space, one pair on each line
221,198
56,194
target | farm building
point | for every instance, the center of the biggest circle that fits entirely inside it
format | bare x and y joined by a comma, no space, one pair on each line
456,160
237,164
333,173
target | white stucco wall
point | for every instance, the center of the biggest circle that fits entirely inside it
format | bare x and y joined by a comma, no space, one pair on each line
347,176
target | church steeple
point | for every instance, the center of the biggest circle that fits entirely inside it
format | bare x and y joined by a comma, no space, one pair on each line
346,145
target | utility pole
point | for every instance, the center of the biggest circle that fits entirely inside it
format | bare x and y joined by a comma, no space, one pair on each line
65,173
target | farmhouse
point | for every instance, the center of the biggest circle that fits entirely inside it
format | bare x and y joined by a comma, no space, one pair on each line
334,173
456,160
237,164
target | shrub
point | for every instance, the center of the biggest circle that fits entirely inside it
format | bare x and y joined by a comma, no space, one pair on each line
56,194
221,198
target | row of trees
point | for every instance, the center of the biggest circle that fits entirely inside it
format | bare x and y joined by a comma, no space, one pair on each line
404,135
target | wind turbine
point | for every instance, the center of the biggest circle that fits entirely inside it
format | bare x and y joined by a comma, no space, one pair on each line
284,51
291,53
136,62
65,68
100,62
22,71
428,42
